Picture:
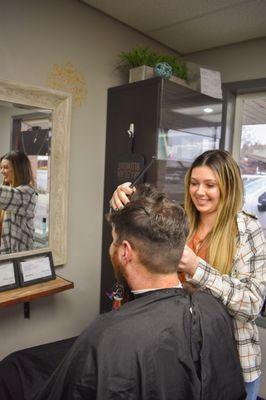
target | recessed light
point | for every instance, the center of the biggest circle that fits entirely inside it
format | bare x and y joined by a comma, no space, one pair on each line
208,110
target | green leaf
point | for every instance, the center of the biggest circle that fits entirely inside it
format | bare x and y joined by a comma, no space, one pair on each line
141,55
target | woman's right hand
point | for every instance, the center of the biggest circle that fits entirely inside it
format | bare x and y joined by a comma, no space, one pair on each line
120,196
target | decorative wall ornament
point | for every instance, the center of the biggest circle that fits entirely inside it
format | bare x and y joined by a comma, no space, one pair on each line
66,77
164,70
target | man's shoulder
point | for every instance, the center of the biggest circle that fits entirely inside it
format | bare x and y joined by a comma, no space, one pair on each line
210,308
132,316
204,298
104,323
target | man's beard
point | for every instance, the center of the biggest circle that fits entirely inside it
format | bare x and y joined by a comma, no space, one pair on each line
117,267
118,270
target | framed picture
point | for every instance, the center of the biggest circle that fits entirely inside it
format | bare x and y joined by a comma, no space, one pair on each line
35,268
8,275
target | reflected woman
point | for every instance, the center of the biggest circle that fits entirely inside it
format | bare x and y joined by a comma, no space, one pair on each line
18,200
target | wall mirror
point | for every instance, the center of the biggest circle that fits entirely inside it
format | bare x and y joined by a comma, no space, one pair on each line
36,121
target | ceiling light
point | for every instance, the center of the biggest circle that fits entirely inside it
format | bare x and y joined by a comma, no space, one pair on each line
208,110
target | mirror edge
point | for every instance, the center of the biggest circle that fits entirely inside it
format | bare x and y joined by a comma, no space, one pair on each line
60,104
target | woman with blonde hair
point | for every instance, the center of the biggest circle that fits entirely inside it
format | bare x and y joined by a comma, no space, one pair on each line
18,200
225,252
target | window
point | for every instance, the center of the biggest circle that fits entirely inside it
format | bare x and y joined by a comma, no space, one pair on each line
249,147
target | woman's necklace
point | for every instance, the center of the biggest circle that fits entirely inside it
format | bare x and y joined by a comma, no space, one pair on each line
197,243
199,240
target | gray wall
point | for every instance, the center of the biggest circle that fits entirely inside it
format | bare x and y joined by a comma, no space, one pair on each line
237,62
6,113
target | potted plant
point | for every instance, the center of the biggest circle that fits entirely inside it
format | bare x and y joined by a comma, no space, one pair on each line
141,61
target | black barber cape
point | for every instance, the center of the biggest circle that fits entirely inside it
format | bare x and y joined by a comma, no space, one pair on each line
163,345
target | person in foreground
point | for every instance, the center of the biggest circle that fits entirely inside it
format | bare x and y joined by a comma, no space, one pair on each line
225,251
165,344
18,200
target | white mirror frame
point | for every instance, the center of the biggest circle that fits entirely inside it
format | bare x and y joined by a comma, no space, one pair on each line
60,104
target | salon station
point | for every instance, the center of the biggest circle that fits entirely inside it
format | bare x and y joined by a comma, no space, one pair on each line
91,93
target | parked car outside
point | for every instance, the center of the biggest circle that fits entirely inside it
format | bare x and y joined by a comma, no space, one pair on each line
262,202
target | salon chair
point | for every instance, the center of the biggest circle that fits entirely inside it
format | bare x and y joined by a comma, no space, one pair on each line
23,372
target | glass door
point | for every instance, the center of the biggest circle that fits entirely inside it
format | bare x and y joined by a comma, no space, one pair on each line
190,124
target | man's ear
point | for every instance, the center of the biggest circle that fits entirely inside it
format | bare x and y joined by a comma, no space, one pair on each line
125,252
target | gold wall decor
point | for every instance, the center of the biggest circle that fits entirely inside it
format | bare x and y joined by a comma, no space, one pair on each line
66,77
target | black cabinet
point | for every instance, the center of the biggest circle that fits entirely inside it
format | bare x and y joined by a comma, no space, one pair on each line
171,122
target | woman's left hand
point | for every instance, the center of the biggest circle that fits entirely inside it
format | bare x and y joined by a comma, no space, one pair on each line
189,261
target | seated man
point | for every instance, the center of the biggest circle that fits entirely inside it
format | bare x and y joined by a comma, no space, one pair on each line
165,344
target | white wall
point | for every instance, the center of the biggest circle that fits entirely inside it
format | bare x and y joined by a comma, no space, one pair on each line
35,35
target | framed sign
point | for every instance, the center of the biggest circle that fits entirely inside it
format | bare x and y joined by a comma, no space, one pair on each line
8,275
35,269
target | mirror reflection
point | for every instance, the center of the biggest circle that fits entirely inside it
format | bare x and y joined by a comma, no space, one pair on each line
25,139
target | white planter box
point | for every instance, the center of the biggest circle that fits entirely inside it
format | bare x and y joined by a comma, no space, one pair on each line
179,81
145,72
140,73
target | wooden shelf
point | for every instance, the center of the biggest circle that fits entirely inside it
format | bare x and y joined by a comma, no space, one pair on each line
32,292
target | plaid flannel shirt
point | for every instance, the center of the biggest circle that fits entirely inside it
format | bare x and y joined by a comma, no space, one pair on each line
242,292
18,224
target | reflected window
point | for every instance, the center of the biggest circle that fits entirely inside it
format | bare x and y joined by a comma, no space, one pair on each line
189,126
252,157
177,150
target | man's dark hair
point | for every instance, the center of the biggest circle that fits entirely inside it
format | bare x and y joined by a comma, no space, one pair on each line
155,226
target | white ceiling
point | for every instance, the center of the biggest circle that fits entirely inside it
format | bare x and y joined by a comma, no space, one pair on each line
187,26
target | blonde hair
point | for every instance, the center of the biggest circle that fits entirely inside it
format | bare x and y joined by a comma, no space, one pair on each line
221,241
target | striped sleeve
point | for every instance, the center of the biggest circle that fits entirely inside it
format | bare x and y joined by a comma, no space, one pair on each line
16,200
